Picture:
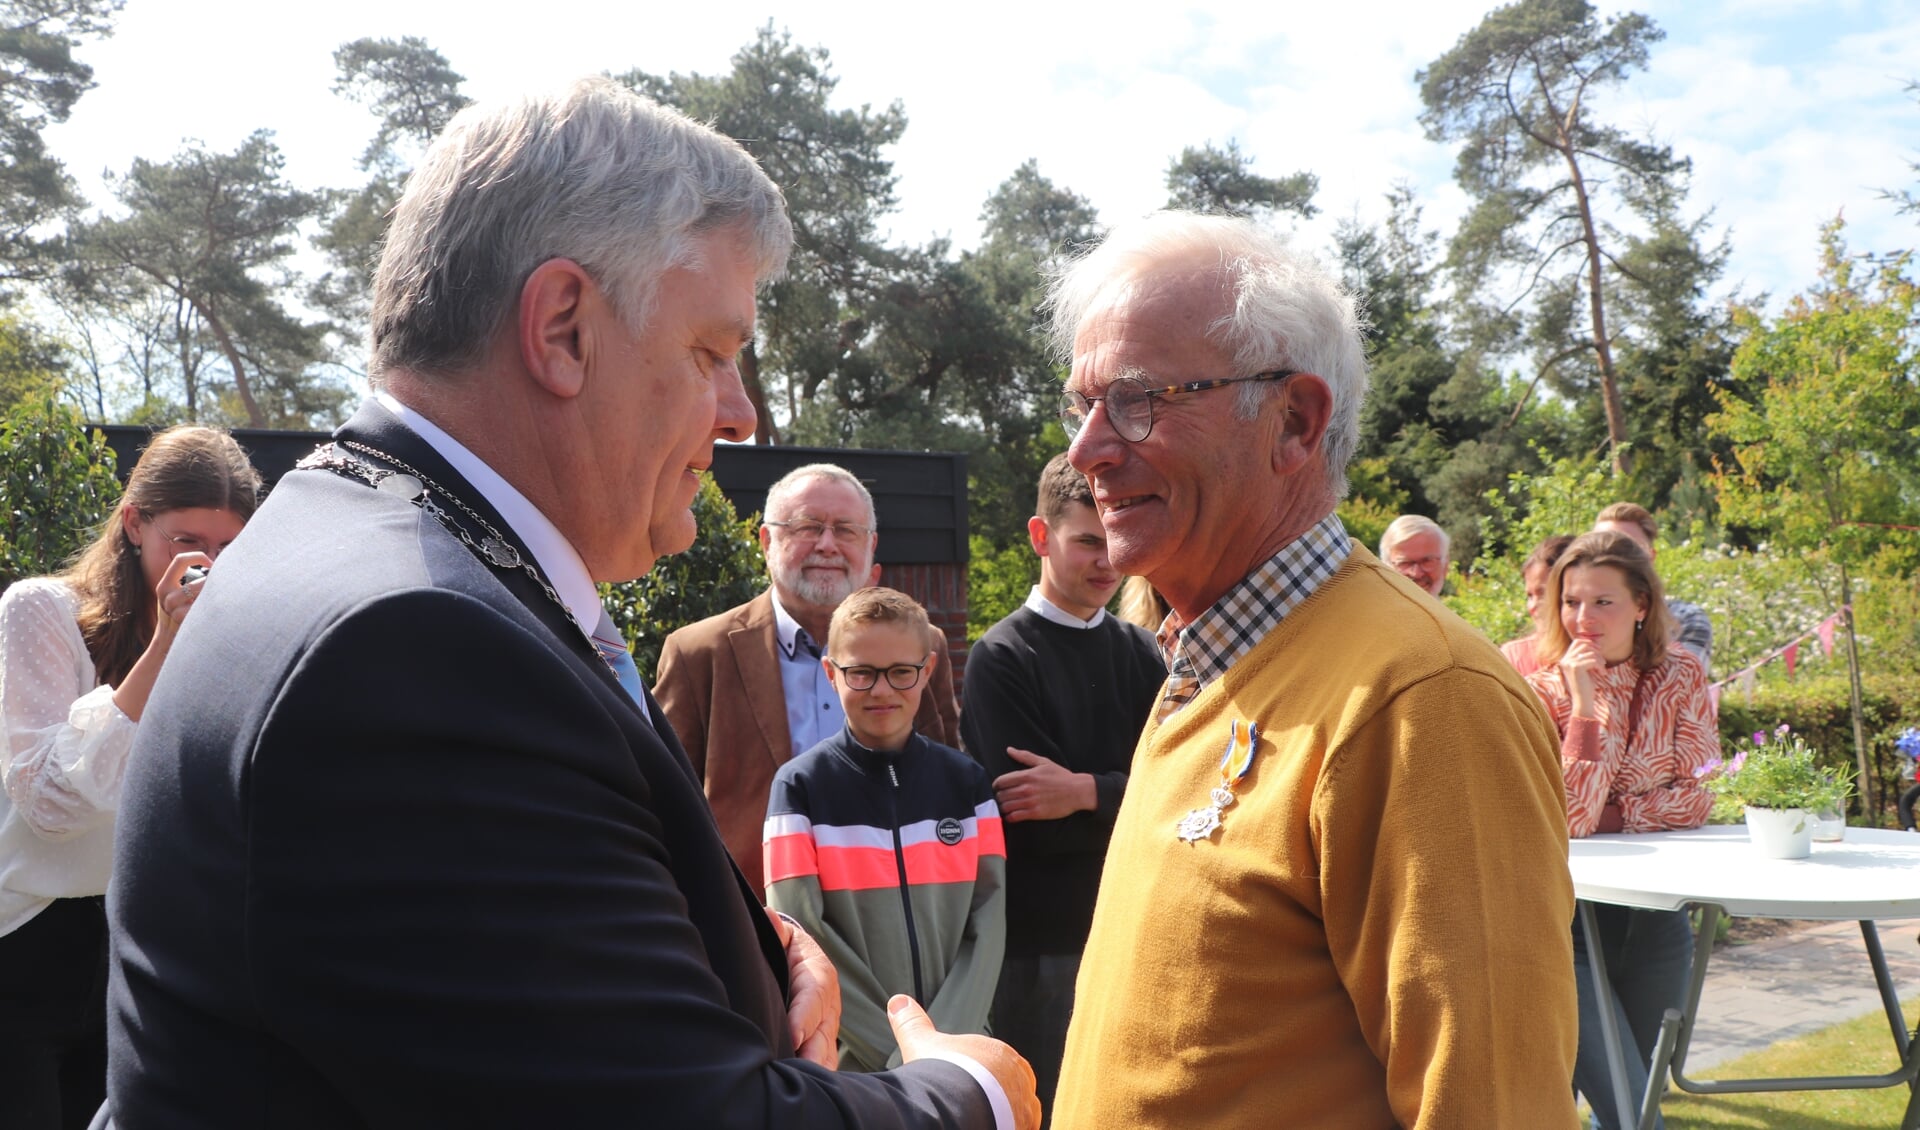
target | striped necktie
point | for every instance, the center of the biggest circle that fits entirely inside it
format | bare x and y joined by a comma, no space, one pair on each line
612,647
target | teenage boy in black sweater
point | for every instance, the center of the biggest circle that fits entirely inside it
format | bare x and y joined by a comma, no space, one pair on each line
1056,696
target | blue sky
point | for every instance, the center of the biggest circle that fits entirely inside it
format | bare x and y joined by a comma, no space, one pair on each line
1792,111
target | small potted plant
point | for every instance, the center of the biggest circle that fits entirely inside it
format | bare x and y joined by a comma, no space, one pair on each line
1781,788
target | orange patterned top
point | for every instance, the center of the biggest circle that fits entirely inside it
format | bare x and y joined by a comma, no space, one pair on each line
1520,653
1649,774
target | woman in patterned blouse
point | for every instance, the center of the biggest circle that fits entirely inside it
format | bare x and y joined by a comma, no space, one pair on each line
1635,721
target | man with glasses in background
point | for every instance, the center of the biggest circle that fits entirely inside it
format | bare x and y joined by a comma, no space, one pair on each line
745,690
1337,891
1418,549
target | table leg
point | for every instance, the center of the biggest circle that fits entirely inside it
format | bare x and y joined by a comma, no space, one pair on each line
1657,1071
1609,1030
1889,997
1896,1019
1710,916
1906,1073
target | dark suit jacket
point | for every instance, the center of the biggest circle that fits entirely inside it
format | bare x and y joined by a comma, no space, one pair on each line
397,851
719,682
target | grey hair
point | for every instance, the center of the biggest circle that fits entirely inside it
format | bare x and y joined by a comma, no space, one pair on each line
594,173
1407,525
789,484
1288,311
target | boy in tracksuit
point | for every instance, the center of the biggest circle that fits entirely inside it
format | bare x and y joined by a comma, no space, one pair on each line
886,846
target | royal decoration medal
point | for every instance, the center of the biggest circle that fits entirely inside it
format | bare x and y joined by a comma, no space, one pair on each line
1201,822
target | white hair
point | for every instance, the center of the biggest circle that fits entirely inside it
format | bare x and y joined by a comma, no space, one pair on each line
1288,311
594,173
1406,526
781,493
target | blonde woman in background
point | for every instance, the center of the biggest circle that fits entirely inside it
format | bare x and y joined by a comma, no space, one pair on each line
1141,605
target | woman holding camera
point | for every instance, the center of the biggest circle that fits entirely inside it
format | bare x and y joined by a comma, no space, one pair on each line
79,653
1635,721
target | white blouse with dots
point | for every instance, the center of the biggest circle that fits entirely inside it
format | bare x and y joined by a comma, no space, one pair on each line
65,753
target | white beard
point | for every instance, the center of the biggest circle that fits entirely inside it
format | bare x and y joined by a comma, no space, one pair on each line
819,590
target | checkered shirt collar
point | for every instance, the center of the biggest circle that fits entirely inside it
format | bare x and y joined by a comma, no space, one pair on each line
1203,650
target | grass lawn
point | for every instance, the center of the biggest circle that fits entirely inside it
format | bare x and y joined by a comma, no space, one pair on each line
1858,1047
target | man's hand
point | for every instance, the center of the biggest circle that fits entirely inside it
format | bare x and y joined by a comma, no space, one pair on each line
919,1039
1046,790
813,1009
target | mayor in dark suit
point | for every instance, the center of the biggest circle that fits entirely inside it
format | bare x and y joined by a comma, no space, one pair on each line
404,843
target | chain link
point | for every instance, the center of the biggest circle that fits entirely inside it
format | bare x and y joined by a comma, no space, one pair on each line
494,549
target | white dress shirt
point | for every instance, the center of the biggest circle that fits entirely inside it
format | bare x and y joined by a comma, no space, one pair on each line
555,556
1048,610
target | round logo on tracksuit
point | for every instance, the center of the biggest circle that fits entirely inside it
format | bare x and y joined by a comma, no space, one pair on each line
950,831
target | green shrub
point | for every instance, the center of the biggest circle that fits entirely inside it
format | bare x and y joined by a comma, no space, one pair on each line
56,486
1372,501
1560,500
722,569
1815,706
1757,598
998,581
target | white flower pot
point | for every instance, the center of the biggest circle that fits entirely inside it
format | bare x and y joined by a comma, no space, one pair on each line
1781,833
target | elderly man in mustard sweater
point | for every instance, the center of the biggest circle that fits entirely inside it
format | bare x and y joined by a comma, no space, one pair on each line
1337,894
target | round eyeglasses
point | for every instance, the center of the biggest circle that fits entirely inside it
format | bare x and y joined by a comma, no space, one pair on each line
1130,402
900,676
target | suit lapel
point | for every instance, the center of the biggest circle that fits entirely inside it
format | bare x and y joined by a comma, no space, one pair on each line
755,646
379,429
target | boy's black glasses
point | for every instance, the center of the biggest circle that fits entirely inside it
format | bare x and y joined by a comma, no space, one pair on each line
900,676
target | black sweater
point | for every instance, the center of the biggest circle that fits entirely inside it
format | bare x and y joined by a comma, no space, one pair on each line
1078,696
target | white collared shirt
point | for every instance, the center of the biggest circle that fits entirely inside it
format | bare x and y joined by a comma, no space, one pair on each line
1048,610
555,556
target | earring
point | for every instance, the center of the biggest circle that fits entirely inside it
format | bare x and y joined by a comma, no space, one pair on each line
1639,624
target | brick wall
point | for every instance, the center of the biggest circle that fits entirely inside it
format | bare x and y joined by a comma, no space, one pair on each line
942,589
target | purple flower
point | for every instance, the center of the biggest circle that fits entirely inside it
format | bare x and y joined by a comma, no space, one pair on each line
1738,760
1759,737
1784,730
1708,769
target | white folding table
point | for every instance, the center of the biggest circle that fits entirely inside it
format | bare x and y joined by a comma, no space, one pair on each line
1873,875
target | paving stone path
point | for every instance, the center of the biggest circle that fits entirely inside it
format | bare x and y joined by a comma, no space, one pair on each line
1795,983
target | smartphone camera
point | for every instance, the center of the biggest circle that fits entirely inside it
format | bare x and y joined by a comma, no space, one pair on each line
192,574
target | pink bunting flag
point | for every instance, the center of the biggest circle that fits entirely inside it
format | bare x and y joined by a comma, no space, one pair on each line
1747,680
1713,698
1792,655
1826,635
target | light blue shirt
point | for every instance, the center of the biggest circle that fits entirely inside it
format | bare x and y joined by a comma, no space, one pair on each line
814,713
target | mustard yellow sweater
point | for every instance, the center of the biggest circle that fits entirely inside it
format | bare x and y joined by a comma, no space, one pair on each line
1378,933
